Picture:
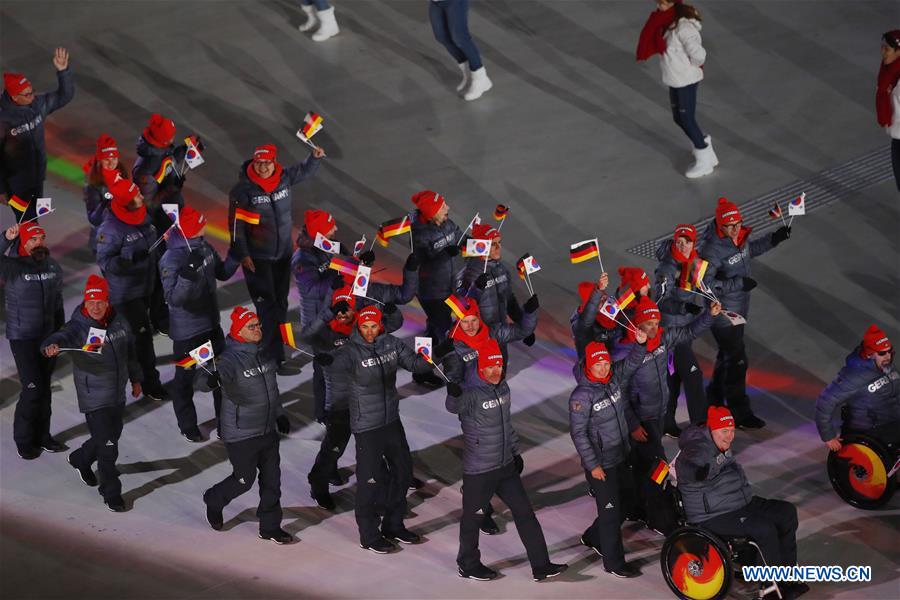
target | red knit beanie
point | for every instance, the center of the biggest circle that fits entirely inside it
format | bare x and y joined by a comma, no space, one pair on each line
875,340
482,231
26,232
489,355
191,221
106,148
727,213
646,310
685,230
594,353
318,221
370,314
15,83
160,131
428,203
266,152
633,277
344,293
718,417
96,288
240,316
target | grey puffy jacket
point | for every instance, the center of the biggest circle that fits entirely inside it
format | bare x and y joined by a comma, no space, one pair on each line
193,305
872,397
117,243
733,264
586,329
250,400
648,390
436,274
33,295
271,239
671,299
372,372
723,489
489,439
101,380
462,362
494,299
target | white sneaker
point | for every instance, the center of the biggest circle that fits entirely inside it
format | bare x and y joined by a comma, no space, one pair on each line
479,84
705,160
461,88
328,27
312,21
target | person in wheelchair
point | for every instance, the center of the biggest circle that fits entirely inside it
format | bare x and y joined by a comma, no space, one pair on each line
716,495
866,392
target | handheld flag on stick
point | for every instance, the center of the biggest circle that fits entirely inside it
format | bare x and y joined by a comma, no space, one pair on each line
476,248
95,340
171,211
186,363
324,244
192,156
20,205
393,228
775,213
797,207
500,214
287,334
475,221
585,250
359,246
527,265
627,297
660,472
248,217
202,353
424,347
43,206
379,237
456,305
167,164
361,283
347,266
312,124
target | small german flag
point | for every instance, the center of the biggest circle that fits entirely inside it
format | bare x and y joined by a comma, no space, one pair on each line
626,298
500,212
660,472
163,169
186,363
583,251
96,348
312,123
347,266
457,306
395,227
775,211
379,237
246,216
18,204
700,267
287,335
520,266
426,356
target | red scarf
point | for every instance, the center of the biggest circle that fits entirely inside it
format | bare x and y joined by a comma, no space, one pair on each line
270,183
652,343
686,263
652,40
472,341
104,320
888,75
129,217
743,234
344,329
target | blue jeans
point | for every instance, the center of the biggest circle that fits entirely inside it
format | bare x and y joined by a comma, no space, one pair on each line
684,106
450,24
320,4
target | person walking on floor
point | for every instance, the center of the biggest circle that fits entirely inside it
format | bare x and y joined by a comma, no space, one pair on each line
450,24
887,95
320,19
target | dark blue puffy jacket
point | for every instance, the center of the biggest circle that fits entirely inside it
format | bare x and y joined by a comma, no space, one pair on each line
119,253
33,295
497,297
436,274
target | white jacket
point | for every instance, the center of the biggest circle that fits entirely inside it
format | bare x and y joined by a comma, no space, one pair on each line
684,54
894,128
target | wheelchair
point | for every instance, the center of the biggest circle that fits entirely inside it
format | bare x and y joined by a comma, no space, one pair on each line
698,564
863,472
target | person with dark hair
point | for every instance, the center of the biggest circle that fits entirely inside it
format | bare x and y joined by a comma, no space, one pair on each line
23,153
673,32
450,24
34,309
887,95
100,172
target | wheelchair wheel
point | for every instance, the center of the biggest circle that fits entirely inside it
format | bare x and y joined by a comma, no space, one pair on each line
858,472
696,564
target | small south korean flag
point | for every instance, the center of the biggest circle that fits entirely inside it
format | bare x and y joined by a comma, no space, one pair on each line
96,337
359,246
171,211
43,206
478,247
361,283
424,347
203,353
797,206
326,245
531,265
192,156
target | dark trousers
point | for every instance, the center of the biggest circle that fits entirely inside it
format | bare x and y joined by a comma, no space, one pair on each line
319,392
105,427
337,434
268,288
437,315
605,532
684,108
687,372
644,458
247,457
182,387
27,193
729,380
895,160
31,422
450,24
477,491
771,523
135,312
373,448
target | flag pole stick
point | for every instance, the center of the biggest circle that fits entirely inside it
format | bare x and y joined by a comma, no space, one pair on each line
707,296
439,370
469,226
791,221
161,238
780,214
597,242
36,218
528,282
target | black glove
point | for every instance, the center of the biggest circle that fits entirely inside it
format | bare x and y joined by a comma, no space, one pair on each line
780,234
692,308
749,283
412,263
529,340
721,276
454,389
212,381
283,424
702,472
389,308
139,256
452,250
443,349
520,464
481,282
189,272
532,304
324,359
337,281
367,258
341,307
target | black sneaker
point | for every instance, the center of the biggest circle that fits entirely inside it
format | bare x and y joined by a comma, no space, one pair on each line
213,516
155,391
379,546
404,536
751,422
336,479
193,435
428,380
280,537
416,484
478,573
323,499
52,445
87,475
584,542
27,451
673,431
627,571
115,504
550,571
489,526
